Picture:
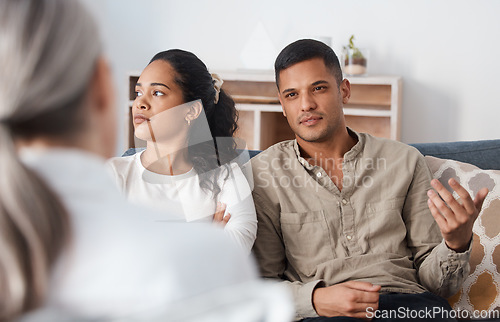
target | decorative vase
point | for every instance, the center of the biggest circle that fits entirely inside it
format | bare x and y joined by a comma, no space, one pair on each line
355,61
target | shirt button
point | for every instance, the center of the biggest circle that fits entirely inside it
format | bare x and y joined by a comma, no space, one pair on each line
318,174
344,202
349,237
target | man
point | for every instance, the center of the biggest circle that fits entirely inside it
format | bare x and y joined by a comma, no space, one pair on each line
344,217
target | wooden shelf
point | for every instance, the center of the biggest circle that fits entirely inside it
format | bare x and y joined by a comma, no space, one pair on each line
374,107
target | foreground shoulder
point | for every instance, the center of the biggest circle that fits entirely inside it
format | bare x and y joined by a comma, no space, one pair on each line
200,245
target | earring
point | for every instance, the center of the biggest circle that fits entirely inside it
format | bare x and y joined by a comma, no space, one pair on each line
188,121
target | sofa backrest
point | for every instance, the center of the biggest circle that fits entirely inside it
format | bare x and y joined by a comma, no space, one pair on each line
484,154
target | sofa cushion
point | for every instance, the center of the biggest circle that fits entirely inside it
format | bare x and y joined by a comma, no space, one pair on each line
481,288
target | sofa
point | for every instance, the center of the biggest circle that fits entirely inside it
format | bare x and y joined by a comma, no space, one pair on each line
483,154
475,164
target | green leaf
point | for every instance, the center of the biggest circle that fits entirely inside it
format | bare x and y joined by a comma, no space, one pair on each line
356,53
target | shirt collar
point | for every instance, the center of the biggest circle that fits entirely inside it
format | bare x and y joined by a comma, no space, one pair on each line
356,150
349,156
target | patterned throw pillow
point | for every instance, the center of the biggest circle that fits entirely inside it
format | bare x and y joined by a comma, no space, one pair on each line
481,288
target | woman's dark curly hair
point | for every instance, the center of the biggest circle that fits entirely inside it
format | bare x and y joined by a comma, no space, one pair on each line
197,83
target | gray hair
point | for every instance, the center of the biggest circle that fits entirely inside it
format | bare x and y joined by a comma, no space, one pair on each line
48,52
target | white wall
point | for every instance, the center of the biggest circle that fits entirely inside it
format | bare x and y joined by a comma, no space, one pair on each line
447,51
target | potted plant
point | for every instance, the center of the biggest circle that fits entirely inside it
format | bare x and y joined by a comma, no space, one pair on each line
354,60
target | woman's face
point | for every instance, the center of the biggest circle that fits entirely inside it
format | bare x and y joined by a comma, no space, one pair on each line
157,102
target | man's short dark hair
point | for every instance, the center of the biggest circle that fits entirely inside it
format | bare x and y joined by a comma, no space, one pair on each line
305,49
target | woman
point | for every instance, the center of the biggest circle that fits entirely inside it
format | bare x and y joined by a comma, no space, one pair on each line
71,247
187,121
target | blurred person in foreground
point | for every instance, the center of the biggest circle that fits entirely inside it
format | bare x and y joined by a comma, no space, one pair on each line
72,248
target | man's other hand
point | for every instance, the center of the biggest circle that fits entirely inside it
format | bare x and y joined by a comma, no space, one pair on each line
351,299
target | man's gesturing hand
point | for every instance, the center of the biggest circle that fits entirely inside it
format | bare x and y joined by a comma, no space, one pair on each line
455,219
346,299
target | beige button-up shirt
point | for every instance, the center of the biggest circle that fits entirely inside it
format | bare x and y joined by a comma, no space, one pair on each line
378,229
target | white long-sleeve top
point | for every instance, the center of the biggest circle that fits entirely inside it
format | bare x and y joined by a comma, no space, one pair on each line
122,266
182,196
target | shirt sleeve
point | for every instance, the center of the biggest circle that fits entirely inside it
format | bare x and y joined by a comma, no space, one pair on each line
440,269
269,250
236,194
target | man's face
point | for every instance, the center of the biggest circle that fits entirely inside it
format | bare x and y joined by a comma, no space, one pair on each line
311,100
